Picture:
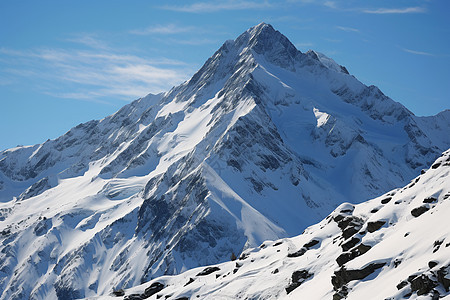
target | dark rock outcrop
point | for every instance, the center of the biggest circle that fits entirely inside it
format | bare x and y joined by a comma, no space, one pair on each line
298,277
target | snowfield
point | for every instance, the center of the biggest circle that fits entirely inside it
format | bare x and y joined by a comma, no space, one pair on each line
395,246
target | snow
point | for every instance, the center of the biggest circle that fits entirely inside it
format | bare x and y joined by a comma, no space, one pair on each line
321,117
261,143
253,275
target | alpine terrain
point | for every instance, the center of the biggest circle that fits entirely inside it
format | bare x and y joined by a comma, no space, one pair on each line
396,246
260,143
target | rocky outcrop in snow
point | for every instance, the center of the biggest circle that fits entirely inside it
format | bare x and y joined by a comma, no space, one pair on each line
379,249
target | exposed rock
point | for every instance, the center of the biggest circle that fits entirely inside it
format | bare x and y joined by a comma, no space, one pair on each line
208,271
402,284
348,256
430,199
298,253
350,231
133,297
432,264
436,165
419,210
298,277
374,226
443,278
350,244
386,200
311,243
42,227
422,285
153,289
118,293
343,276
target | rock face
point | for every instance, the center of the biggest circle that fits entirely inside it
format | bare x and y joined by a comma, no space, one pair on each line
261,142
406,257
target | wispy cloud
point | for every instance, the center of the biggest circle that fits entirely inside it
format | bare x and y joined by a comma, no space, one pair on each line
347,6
90,41
205,7
330,4
417,52
92,74
405,10
164,29
348,29
304,45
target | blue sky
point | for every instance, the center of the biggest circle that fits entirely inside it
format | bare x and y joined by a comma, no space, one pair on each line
63,63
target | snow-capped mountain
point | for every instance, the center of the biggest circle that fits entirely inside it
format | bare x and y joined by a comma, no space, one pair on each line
396,246
261,142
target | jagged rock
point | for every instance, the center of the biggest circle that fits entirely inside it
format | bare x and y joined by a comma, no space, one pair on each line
298,277
133,297
437,244
350,244
442,276
374,226
153,289
436,165
208,271
298,253
432,264
430,199
422,285
311,243
119,293
348,256
416,212
386,200
402,285
42,227
344,276
191,280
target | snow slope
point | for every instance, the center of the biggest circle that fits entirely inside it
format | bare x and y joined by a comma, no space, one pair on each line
260,143
395,246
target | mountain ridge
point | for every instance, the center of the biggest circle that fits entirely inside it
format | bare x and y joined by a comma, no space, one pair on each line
394,246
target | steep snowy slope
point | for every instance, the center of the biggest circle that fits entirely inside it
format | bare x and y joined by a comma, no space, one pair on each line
396,246
261,142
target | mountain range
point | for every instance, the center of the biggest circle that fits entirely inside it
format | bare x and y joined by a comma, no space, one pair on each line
260,143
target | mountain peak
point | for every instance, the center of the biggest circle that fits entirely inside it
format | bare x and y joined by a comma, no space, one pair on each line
326,61
261,27
263,38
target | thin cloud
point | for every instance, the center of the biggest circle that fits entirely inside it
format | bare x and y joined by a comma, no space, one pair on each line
347,29
304,45
90,74
205,7
89,41
330,4
418,52
163,29
405,10
193,41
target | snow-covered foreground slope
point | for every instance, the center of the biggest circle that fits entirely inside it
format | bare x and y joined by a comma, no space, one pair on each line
261,142
396,246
